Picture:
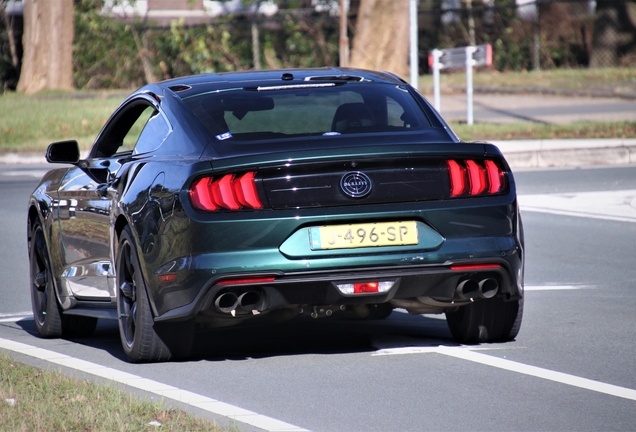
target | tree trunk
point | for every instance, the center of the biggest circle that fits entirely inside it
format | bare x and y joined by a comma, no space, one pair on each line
48,46
381,41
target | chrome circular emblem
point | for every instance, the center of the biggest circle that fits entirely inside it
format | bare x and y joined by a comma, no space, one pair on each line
355,184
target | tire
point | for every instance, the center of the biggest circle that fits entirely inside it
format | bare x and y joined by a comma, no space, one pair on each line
490,320
46,310
138,332
49,319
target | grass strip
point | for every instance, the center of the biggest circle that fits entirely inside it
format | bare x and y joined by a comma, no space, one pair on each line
32,399
611,81
31,123
534,131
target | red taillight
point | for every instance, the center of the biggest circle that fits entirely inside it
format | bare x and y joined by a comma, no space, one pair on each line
201,194
475,178
223,192
495,177
457,178
245,190
226,192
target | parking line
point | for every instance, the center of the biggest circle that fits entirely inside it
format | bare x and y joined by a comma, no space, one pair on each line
167,391
469,354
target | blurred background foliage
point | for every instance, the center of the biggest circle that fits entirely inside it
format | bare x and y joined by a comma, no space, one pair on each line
109,53
113,53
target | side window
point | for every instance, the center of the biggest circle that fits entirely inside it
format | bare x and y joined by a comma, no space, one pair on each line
153,134
131,138
136,126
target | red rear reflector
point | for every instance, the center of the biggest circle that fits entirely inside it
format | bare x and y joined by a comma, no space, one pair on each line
470,267
246,281
170,277
457,178
365,287
226,192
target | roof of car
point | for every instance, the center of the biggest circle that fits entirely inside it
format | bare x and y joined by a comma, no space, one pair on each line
205,82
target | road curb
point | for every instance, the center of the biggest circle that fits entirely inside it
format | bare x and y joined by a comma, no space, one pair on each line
566,153
572,157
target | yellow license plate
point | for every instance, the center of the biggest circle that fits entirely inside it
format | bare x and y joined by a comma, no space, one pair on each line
363,235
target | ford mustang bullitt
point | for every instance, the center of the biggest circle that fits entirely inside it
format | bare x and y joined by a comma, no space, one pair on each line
221,199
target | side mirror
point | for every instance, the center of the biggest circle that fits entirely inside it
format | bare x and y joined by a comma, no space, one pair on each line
63,152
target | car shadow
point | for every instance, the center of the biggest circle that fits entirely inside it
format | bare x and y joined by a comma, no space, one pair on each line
304,336
301,336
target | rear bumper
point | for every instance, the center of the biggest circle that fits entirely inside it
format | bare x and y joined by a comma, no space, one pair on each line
318,288
475,230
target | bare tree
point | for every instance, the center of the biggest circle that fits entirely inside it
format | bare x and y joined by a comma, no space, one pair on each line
381,39
48,46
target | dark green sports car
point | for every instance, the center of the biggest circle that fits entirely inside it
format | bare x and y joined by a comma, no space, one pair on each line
224,198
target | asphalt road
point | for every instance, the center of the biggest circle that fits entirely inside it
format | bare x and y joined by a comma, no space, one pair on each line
571,367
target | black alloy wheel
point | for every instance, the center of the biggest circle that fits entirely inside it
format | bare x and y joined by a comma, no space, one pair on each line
49,319
46,310
136,324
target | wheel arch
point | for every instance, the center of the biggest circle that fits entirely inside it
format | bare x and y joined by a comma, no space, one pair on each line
120,224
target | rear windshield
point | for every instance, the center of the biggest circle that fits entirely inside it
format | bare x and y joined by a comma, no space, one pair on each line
247,114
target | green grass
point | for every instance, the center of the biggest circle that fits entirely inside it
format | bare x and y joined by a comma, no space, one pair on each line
30,123
618,81
35,400
524,131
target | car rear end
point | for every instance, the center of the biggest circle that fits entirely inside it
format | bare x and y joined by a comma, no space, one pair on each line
326,221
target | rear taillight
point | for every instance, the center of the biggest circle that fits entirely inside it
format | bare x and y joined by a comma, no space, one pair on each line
227,192
469,177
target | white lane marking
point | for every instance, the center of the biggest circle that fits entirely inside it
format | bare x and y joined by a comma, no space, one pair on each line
554,287
160,389
509,365
609,205
25,173
15,316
